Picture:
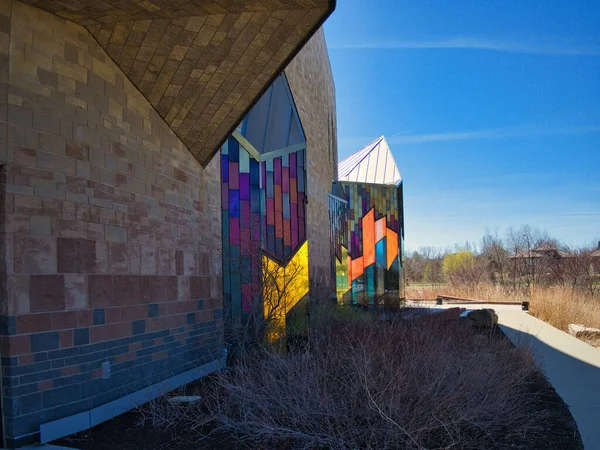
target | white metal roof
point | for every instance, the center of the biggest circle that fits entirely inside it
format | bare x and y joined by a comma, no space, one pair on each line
372,164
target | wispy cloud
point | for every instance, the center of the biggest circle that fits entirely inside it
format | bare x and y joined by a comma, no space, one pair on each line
491,134
474,43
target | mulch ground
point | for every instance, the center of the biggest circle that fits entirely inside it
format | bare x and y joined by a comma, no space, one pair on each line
559,431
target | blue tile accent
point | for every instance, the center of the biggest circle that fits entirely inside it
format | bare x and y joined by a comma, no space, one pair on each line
8,325
81,336
99,317
200,305
191,318
40,357
153,310
138,327
44,341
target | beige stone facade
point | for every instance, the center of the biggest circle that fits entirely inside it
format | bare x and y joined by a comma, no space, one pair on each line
311,82
109,232
200,64
110,203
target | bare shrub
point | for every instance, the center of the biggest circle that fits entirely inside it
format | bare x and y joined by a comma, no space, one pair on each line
422,384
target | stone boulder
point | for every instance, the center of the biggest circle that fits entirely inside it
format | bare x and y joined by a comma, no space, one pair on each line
483,318
581,331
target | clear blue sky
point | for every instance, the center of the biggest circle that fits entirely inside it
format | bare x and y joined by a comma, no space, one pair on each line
491,108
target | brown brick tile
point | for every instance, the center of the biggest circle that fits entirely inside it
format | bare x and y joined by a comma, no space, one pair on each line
72,370
64,320
66,339
85,318
15,345
34,323
100,291
47,293
114,315
126,289
44,385
26,359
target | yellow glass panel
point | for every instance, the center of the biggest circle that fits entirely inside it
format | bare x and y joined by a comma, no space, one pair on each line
341,275
283,288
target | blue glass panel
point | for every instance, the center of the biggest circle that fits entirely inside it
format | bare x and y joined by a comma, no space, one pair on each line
280,113
286,205
300,176
254,199
234,203
254,172
224,168
370,282
269,186
256,124
300,158
380,252
234,150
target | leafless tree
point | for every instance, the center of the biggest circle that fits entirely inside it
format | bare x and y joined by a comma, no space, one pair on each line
273,286
492,249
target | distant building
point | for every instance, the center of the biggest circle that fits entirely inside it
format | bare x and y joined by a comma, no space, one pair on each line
369,260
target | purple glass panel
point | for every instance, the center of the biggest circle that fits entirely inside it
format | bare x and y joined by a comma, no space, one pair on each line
277,170
285,179
245,214
244,186
234,181
234,231
246,244
255,219
301,230
246,297
292,165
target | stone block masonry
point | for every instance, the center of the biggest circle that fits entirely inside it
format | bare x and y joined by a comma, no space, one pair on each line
311,82
110,231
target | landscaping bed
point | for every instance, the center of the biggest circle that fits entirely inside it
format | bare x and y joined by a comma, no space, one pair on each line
364,384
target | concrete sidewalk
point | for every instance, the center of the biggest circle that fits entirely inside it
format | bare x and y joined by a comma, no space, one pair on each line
572,366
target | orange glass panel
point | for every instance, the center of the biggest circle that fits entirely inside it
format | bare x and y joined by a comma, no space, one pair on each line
380,227
357,268
392,247
368,238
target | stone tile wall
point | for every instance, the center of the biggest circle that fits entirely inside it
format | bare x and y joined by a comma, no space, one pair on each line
110,230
